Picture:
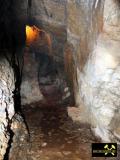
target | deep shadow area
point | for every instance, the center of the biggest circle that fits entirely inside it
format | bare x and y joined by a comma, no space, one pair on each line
12,42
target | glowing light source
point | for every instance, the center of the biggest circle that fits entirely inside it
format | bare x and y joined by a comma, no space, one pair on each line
38,37
32,33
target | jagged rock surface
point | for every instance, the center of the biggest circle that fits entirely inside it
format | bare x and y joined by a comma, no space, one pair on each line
21,135
95,41
6,104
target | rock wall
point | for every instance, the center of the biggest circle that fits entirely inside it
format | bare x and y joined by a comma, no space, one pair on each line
12,125
95,41
50,12
6,105
12,39
51,17
84,23
20,136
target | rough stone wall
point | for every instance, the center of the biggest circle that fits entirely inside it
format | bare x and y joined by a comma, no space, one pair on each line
12,38
98,75
6,104
52,12
100,88
30,91
51,17
20,136
84,22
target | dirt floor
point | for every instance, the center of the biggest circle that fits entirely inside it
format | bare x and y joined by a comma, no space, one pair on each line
54,136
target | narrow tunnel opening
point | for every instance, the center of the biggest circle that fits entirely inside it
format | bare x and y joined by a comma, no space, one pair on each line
48,71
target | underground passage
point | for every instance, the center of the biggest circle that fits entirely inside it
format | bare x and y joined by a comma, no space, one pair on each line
59,78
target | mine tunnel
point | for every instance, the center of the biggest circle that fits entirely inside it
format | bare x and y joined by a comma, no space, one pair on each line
59,79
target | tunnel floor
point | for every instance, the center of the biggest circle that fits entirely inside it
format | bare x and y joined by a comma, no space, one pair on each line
54,135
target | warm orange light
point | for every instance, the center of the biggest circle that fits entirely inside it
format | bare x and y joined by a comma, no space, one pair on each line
37,37
32,33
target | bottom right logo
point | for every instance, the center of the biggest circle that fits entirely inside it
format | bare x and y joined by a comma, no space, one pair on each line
104,150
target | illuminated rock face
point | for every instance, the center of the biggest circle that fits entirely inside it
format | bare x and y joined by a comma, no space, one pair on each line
100,89
98,78
6,104
12,126
100,86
